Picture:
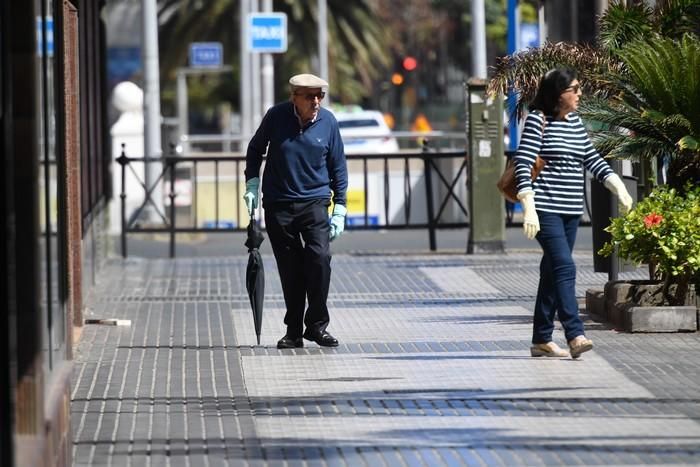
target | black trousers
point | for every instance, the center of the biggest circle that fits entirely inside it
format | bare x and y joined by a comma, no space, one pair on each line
298,234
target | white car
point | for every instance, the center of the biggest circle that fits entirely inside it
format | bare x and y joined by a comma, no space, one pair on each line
365,132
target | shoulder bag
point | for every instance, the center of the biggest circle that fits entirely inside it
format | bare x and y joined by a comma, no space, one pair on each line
508,185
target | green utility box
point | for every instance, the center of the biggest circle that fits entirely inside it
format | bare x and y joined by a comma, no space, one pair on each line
487,230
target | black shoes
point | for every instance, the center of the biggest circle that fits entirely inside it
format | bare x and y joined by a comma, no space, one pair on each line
321,338
290,342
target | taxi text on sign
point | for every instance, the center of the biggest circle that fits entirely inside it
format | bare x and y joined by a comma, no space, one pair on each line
267,32
206,54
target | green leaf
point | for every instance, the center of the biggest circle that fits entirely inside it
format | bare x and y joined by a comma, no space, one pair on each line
688,142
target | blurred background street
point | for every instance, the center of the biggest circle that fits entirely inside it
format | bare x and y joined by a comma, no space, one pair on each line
452,242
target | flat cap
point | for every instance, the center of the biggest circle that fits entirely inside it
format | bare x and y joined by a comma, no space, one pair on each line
307,80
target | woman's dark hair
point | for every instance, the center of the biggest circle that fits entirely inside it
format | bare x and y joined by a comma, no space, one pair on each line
552,85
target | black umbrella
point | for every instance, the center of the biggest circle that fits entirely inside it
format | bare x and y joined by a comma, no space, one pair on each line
255,274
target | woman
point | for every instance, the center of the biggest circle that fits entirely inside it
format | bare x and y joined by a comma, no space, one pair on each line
553,204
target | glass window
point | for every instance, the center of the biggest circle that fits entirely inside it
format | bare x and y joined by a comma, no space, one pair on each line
51,240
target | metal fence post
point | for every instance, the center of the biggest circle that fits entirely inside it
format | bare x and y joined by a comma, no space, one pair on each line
170,161
614,212
122,160
429,193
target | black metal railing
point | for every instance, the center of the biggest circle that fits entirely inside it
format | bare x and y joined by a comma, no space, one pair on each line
422,165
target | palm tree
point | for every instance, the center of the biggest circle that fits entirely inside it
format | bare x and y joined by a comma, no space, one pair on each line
523,70
657,94
356,45
643,77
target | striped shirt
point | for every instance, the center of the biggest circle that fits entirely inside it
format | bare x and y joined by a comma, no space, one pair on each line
567,149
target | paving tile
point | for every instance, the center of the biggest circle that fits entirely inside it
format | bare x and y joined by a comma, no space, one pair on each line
433,369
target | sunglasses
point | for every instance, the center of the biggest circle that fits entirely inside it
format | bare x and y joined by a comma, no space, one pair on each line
575,88
310,96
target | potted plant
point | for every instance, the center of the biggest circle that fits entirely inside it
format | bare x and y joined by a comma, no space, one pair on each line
663,231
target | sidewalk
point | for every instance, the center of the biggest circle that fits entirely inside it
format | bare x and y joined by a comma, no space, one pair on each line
433,369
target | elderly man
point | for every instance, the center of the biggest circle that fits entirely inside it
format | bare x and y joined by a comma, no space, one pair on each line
305,168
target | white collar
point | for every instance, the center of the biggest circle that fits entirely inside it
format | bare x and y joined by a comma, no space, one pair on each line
296,114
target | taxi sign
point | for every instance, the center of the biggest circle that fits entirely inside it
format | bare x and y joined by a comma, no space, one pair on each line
206,54
267,32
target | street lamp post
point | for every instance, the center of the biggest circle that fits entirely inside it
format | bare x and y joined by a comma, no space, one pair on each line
244,78
323,42
151,107
268,71
478,40
513,47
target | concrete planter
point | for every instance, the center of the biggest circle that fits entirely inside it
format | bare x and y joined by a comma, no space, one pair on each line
632,306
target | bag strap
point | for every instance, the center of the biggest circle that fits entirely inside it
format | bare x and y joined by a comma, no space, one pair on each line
544,125
544,120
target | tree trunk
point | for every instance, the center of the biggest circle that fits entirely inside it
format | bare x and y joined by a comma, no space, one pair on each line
678,296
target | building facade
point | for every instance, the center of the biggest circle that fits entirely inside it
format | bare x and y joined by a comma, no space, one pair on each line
576,20
55,184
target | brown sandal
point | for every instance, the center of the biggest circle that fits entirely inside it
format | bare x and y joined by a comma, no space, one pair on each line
550,349
578,345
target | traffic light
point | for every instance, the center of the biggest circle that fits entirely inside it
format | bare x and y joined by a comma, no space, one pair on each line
397,79
409,63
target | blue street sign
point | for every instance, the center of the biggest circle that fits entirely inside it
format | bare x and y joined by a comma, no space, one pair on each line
48,22
267,32
529,35
206,54
359,219
122,64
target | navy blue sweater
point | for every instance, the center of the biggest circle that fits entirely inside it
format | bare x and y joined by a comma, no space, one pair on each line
303,163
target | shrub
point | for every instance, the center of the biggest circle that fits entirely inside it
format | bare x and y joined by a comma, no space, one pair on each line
663,230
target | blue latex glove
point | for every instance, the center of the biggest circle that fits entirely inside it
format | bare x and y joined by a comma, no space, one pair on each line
337,221
251,194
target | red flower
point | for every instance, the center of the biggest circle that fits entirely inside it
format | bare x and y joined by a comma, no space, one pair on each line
652,220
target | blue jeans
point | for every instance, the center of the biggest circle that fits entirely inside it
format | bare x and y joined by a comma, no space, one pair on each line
556,292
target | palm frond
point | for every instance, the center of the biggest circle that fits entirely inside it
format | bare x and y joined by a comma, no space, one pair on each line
648,79
690,50
690,143
665,128
523,70
663,71
674,18
676,123
621,116
617,145
621,24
